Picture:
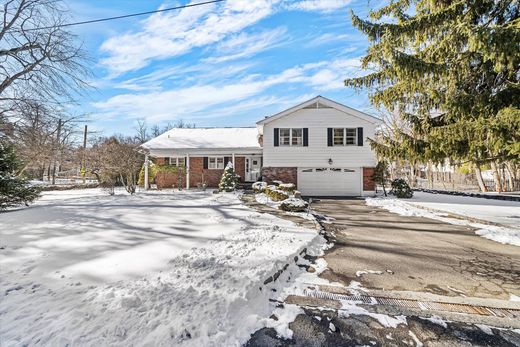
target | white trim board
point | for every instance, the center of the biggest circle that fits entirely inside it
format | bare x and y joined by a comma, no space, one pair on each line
327,102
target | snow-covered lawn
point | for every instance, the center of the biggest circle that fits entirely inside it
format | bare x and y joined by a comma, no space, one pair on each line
437,206
495,211
160,268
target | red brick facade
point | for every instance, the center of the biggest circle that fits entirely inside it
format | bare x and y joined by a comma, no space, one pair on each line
368,182
284,174
198,174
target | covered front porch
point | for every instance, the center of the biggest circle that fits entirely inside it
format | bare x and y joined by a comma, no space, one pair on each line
196,168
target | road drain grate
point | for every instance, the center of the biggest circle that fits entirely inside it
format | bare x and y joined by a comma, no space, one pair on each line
417,304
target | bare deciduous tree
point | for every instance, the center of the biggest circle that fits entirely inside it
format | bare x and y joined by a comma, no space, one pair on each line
116,159
39,59
142,134
43,135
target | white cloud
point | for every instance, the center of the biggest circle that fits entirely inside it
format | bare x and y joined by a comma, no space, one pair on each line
170,34
225,97
330,37
182,73
319,5
246,45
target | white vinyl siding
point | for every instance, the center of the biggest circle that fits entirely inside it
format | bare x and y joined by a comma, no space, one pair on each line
318,153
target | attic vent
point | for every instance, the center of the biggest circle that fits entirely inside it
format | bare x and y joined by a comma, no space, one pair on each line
317,104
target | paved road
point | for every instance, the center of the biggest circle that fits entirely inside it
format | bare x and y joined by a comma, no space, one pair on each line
416,254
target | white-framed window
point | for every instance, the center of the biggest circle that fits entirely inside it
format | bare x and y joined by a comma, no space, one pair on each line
215,163
291,136
297,137
339,136
177,161
350,136
285,137
344,136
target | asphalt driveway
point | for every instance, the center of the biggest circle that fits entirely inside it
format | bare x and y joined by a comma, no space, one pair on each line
385,251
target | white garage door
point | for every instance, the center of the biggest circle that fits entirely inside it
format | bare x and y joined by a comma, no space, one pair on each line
329,181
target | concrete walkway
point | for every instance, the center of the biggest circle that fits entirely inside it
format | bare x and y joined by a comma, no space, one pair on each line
385,251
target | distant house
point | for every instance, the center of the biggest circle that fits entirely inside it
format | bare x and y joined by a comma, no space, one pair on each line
319,145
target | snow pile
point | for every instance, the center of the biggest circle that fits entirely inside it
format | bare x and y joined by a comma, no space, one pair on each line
161,269
259,187
502,212
506,235
262,198
293,205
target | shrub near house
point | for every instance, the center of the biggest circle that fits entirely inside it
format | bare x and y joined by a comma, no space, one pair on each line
229,180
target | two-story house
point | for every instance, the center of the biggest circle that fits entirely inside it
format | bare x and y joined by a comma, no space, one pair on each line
320,145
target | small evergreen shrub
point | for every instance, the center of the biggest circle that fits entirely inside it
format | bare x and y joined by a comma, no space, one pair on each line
287,187
401,189
277,183
229,180
293,205
259,187
14,191
276,194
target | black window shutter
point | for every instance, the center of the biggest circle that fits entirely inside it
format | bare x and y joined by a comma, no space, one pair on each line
360,136
205,162
306,137
329,137
226,160
276,137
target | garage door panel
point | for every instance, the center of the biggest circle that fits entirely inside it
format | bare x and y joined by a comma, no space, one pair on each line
328,181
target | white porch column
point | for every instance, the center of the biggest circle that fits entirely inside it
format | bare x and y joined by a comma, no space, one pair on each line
187,171
233,160
146,171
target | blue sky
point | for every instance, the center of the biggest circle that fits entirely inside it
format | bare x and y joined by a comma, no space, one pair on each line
226,64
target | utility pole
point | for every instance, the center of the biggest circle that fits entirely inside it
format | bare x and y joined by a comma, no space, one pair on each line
56,151
84,161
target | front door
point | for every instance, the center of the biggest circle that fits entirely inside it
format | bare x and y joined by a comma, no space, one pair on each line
253,166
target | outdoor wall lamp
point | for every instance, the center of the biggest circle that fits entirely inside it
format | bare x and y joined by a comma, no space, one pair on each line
330,161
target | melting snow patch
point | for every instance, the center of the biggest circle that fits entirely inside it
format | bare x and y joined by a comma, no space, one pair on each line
402,207
332,327
436,320
418,343
485,328
284,315
349,308
513,297
364,272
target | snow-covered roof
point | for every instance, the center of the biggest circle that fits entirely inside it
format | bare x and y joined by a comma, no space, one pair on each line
201,138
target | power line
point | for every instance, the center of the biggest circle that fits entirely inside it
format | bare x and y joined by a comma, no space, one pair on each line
131,15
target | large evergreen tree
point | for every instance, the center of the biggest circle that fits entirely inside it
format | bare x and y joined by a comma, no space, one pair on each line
451,70
13,190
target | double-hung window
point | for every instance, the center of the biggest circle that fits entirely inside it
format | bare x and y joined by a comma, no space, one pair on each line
215,163
345,136
177,161
291,137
